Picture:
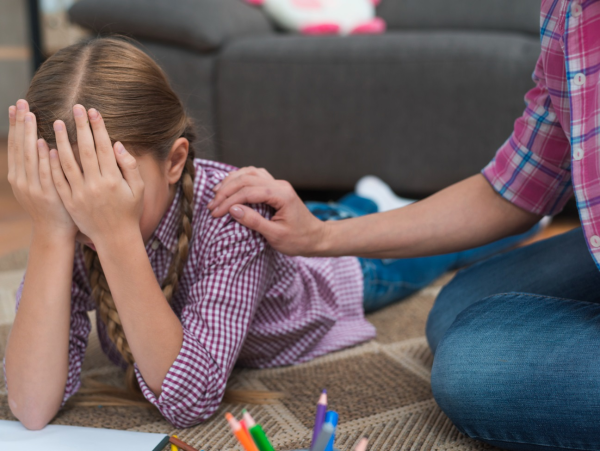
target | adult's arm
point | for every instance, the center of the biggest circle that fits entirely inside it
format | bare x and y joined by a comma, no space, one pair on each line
529,177
467,214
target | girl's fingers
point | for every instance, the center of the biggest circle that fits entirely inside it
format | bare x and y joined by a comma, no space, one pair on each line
45,173
58,177
104,149
30,153
85,142
66,158
129,167
22,110
12,122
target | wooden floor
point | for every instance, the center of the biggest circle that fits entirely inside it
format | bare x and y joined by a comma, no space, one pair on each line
15,225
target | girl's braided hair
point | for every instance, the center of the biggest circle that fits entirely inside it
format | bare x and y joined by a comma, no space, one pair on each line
141,110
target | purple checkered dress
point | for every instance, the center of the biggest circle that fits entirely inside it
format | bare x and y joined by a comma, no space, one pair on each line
239,302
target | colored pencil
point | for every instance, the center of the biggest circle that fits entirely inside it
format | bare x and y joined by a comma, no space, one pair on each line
174,447
182,445
244,425
323,439
362,445
319,417
258,434
332,418
239,433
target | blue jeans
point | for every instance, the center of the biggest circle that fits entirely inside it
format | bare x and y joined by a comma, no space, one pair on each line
389,280
517,348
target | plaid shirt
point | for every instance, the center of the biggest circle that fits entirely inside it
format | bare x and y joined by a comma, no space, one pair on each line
555,146
239,301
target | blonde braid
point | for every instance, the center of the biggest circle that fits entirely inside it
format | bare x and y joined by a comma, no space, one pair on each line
181,251
107,310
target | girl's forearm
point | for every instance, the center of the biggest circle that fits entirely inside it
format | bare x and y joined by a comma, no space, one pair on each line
153,331
37,354
465,215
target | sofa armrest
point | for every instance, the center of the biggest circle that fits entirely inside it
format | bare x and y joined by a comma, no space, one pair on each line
499,15
198,24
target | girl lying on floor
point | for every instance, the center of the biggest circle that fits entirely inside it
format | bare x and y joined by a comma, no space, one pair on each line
181,297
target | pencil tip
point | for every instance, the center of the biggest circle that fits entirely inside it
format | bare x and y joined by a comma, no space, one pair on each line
228,416
244,411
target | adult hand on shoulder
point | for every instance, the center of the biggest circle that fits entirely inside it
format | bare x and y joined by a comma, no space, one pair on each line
293,230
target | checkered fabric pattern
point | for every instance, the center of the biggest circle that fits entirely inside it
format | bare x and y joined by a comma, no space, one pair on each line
555,147
239,301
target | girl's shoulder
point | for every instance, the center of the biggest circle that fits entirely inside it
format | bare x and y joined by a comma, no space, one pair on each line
208,174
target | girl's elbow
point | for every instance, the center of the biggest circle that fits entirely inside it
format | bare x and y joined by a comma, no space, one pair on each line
34,422
183,419
32,417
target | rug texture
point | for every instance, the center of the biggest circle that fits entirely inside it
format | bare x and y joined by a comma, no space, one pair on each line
380,389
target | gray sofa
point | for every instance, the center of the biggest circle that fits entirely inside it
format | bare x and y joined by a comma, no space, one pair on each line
422,106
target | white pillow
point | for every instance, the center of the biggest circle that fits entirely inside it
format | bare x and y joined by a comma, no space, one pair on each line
324,16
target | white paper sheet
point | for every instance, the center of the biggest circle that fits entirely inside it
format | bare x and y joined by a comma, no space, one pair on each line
13,436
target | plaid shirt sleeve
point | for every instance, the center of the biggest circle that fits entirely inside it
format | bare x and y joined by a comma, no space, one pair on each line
215,323
532,168
78,334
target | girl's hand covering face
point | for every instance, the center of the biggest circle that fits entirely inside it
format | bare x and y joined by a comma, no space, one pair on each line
102,200
30,176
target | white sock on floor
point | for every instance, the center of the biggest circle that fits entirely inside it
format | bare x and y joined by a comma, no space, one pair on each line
379,192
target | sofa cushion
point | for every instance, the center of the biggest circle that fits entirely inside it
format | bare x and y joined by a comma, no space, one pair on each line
419,109
198,24
516,15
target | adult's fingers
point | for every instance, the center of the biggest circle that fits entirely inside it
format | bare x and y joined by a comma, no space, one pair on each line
22,110
85,142
255,221
246,195
30,153
58,177
129,168
234,176
275,193
12,122
67,159
104,149
237,180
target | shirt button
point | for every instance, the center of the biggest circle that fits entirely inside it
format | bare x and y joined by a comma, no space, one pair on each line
579,79
155,244
595,240
577,153
576,10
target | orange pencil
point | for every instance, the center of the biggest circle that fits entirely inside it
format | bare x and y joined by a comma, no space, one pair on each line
240,434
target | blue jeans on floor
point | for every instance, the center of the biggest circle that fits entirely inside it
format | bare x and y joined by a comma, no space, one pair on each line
389,280
517,348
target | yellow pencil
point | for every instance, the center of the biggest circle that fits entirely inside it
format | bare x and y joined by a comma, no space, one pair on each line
174,447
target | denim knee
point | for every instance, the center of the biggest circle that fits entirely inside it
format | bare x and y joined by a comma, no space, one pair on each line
451,389
448,304
462,385
519,371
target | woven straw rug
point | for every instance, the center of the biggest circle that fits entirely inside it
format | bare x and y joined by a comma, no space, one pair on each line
380,389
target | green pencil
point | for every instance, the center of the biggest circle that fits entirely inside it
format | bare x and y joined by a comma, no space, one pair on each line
257,433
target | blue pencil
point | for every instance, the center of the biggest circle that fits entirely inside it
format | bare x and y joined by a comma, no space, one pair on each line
324,436
332,418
